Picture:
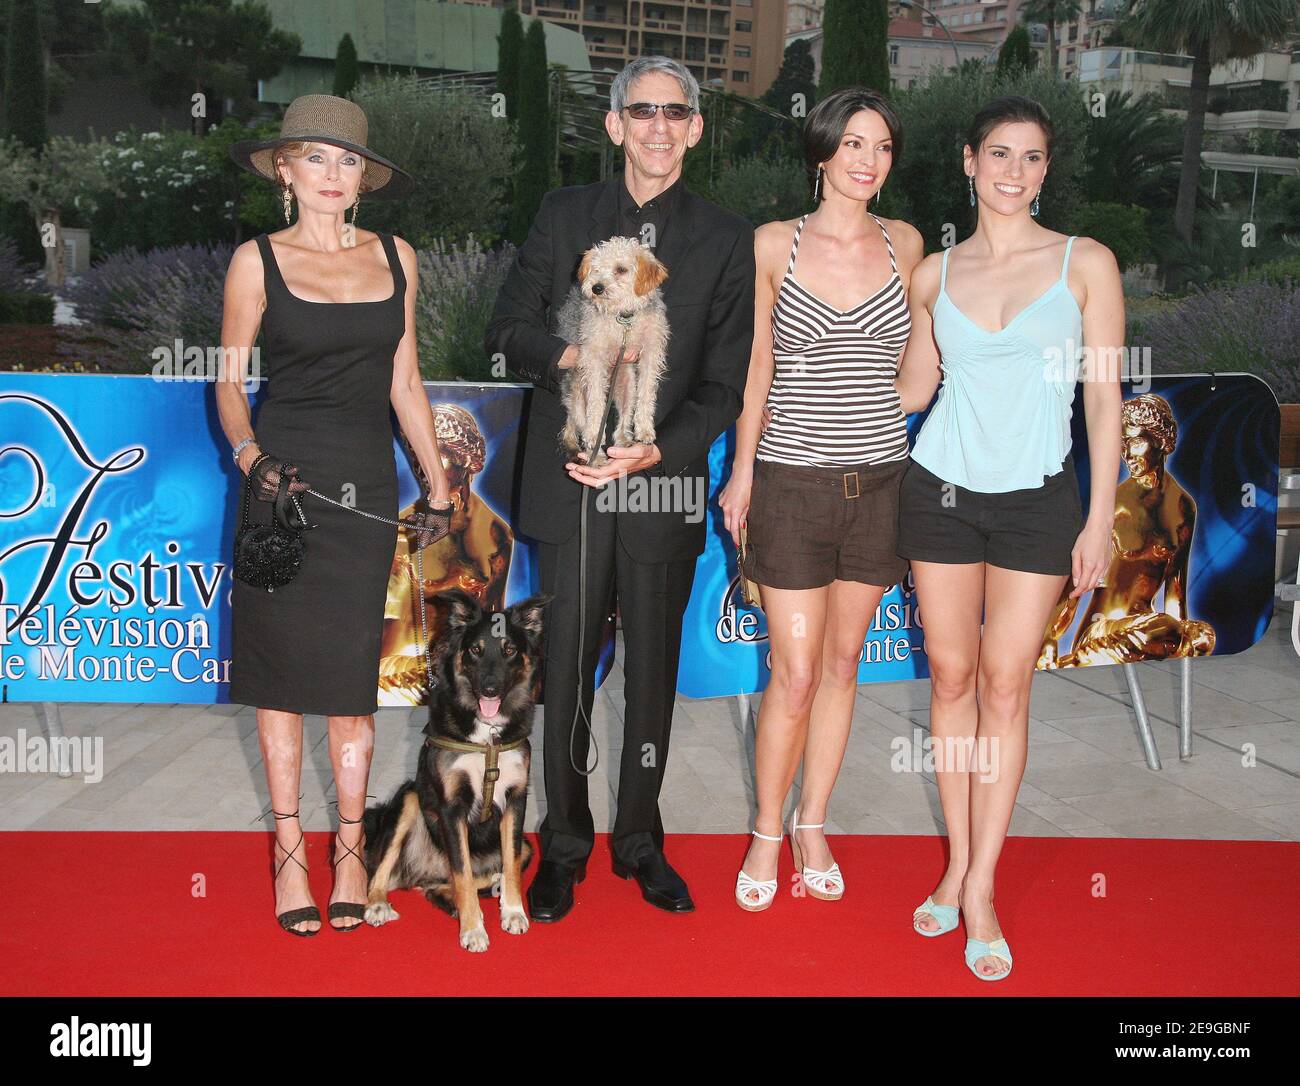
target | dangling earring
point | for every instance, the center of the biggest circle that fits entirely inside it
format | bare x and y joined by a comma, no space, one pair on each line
817,189
356,205
288,202
971,181
1033,210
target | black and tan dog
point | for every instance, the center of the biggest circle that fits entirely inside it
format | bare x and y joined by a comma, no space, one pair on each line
458,828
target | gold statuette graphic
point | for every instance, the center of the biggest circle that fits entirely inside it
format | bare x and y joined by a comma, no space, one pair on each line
1150,543
474,557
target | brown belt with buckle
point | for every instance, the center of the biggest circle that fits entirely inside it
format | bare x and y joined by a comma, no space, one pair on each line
849,482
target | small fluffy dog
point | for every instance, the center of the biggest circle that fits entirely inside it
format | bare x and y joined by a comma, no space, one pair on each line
432,835
617,290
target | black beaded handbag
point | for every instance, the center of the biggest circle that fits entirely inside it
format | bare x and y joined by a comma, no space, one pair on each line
270,555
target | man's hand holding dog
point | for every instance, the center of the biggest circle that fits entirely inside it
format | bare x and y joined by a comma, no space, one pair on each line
623,460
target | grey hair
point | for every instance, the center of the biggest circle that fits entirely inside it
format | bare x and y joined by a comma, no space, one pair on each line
643,66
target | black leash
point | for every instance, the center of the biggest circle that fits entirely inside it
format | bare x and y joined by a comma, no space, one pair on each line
580,713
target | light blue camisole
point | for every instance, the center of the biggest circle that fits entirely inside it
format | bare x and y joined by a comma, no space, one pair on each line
1002,418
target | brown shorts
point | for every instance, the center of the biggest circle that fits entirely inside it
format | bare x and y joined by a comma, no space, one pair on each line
809,526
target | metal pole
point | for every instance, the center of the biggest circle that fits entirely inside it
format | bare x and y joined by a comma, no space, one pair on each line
951,40
1143,721
1185,709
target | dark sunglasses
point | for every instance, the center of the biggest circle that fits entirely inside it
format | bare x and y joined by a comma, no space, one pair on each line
674,111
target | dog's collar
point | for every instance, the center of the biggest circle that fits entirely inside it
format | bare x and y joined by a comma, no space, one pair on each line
490,770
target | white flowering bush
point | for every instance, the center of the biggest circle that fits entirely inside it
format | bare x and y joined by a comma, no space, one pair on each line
162,190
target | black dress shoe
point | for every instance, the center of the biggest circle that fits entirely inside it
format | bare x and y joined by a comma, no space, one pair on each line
660,884
550,897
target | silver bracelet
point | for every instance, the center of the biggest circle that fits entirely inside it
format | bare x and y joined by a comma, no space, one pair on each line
240,447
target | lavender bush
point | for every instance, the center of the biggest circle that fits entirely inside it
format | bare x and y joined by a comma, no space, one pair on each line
137,302
457,290
1253,327
12,273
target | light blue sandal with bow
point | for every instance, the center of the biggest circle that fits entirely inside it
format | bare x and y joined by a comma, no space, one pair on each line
944,915
977,949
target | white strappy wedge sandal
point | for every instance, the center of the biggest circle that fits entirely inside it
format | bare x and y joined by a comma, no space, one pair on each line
765,890
817,883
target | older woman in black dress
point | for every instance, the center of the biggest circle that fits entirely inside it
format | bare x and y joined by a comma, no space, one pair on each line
336,306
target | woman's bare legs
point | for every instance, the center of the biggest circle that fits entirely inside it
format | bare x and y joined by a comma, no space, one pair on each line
352,743
280,737
951,599
796,621
850,610
1017,607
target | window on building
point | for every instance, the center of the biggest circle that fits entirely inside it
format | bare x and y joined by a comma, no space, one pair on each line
893,53
744,26
740,77
741,50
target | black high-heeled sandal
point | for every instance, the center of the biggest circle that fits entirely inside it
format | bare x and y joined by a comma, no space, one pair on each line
308,912
341,910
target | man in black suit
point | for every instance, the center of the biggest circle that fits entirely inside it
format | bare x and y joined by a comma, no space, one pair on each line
642,551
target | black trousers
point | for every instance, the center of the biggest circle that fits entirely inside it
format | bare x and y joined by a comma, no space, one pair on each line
652,598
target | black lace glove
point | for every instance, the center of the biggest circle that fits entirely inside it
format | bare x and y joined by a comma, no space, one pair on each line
265,471
431,525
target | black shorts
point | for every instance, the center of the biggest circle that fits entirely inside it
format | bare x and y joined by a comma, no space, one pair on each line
808,526
1033,530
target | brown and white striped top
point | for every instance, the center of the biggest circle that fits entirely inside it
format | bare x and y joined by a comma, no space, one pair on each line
833,399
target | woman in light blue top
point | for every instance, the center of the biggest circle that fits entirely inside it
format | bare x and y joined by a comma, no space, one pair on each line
989,512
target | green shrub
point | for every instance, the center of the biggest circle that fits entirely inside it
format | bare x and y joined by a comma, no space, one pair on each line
763,189
458,153
20,307
1122,229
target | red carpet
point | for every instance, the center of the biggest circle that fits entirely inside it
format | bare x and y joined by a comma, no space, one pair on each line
118,914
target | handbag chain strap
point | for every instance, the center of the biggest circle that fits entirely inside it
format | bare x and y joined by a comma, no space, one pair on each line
372,516
425,647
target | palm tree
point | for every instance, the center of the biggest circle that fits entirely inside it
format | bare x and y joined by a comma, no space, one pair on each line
1133,150
1053,13
1211,32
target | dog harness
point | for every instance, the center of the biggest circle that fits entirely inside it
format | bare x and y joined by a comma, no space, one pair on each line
490,770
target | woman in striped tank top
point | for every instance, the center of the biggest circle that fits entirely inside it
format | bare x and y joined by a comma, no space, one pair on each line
818,492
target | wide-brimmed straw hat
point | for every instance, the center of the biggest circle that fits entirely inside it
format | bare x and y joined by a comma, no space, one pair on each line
324,118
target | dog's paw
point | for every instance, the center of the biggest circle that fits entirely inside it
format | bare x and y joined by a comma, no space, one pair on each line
380,914
475,940
513,919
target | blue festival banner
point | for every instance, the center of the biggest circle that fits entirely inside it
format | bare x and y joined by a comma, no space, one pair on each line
118,506
1192,556
118,502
